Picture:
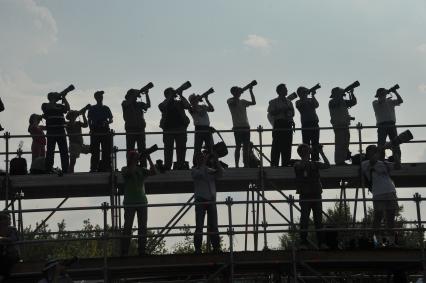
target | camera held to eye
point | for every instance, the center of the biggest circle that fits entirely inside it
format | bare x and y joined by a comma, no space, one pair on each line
207,93
352,86
183,87
64,93
393,89
149,151
250,85
313,89
292,96
146,88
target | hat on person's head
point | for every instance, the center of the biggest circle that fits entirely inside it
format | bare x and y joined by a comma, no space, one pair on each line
72,114
192,97
131,92
99,93
302,90
381,91
169,91
235,90
371,149
337,91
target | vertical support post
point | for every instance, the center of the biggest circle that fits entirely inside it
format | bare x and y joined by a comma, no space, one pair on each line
112,181
105,208
293,237
253,211
364,202
12,204
247,220
229,203
417,198
20,215
262,187
6,197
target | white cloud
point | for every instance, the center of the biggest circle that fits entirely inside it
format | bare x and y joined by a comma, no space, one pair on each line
421,88
257,42
421,48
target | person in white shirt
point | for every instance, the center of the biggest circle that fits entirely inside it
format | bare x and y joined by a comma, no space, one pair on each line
205,172
281,111
376,172
241,126
384,109
200,116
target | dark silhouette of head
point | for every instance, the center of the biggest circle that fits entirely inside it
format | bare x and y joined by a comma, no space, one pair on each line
194,99
381,93
132,158
169,92
34,119
371,152
304,151
99,96
72,115
282,90
200,159
337,92
132,94
236,91
53,97
303,92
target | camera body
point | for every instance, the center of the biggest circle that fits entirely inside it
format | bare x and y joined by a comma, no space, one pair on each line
352,86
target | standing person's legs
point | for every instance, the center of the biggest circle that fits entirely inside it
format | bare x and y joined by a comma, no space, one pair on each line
276,144
381,134
142,229
63,151
181,149
200,213
305,209
317,214
198,142
314,137
378,215
238,143
106,143
287,144
141,142
245,137
50,154
130,140
95,150
129,216
168,141
212,226
392,132
341,145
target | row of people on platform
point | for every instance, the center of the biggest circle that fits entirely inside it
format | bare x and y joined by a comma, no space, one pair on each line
60,119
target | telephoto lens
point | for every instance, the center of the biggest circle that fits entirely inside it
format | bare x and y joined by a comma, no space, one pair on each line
208,92
67,90
149,150
315,88
250,85
394,88
183,87
352,86
292,96
147,87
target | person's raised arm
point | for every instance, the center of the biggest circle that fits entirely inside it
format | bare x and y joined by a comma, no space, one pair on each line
148,101
66,104
399,99
253,99
210,107
152,169
315,101
352,99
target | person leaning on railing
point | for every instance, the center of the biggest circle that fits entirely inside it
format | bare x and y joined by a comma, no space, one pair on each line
100,117
241,126
384,109
206,170
376,172
134,121
281,111
134,194
309,187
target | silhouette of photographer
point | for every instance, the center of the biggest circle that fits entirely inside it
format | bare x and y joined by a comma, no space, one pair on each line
340,120
200,116
241,126
174,123
309,119
1,110
281,112
53,113
100,117
133,114
384,109
74,130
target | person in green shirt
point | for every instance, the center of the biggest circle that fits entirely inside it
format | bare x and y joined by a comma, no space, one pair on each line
134,194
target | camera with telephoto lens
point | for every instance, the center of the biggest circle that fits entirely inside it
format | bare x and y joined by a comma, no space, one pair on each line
313,89
292,96
403,137
64,93
393,89
352,86
183,87
149,150
250,85
208,92
146,88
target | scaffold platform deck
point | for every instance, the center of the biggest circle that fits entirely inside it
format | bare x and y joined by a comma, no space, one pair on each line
172,182
162,267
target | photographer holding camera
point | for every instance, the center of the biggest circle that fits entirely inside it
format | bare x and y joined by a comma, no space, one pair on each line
376,172
134,194
100,117
340,120
206,170
74,130
241,126
384,109
309,118
174,123
53,113
133,114
200,116
281,112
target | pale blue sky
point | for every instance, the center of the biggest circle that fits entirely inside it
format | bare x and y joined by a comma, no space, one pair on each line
116,45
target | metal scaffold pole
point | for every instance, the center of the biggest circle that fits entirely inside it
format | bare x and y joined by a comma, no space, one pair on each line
262,188
418,198
229,203
105,208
